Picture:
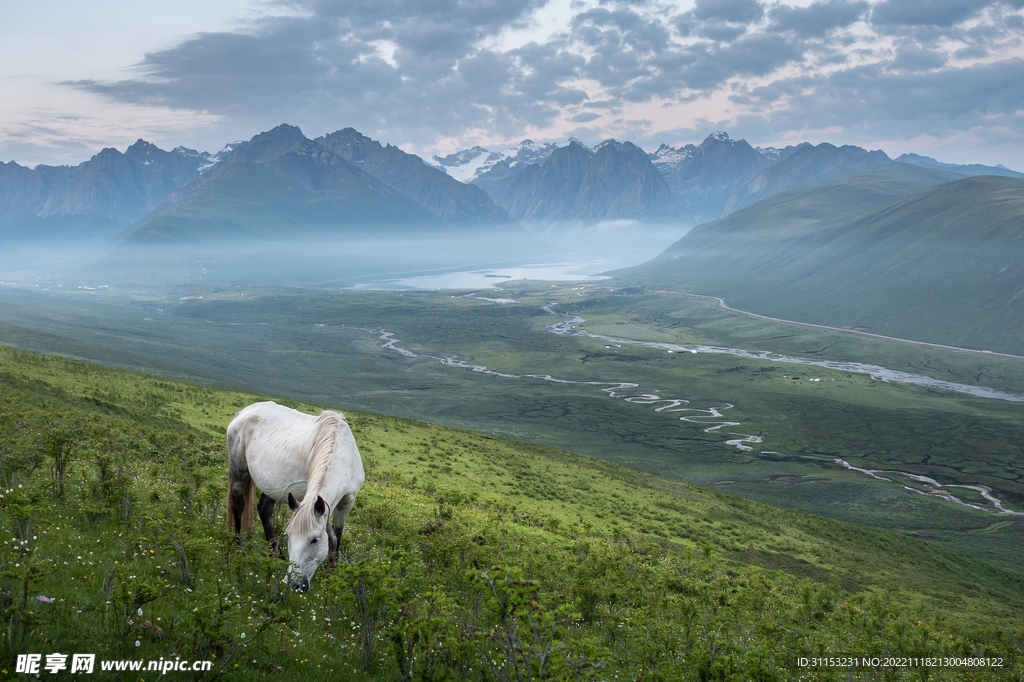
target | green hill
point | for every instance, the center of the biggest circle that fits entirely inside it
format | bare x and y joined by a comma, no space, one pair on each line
250,202
467,557
299,218
896,251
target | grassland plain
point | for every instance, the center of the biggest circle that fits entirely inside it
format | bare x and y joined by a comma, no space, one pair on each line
319,347
467,557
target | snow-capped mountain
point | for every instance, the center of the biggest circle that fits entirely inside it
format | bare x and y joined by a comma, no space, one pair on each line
464,165
665,158
576,187
469,164
704,176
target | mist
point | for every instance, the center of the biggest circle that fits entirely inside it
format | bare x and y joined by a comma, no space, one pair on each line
449,258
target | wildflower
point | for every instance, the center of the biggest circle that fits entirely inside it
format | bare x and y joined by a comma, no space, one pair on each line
45,599
138,643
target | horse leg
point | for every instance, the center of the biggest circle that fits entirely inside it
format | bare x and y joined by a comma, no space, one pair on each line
266,509
240,482
338,526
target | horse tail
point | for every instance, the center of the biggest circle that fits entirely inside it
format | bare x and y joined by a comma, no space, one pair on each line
249,510
238,473
248,506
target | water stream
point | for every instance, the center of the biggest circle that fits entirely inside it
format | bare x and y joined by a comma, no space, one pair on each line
713,419
877,372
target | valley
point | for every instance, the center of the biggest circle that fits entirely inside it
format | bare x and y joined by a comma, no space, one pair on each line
680,341
817,437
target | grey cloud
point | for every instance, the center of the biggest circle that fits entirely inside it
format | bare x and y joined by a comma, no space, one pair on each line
831,57
719,31
737,11
819,18
325,68
602,27
476,17
566,97
973,52
758,54
872,101
941,13
705,66
322,71
913,58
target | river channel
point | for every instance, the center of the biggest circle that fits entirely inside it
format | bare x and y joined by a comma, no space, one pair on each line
713,419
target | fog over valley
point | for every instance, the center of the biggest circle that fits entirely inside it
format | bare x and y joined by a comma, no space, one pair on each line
577,340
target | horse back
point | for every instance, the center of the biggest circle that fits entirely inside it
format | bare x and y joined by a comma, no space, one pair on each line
274,443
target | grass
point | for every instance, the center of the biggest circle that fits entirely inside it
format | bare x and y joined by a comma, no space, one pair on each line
270,338
459,544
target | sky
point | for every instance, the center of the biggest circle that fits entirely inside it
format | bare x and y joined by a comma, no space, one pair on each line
941,78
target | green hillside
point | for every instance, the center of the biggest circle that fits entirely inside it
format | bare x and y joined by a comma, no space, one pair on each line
941,264
467,557
249,202
297,220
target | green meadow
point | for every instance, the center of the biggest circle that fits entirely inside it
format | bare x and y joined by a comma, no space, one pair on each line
467,556
324,347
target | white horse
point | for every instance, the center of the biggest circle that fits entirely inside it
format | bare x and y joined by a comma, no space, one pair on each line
286,453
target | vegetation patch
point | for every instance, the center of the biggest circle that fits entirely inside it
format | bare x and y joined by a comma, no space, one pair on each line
467,557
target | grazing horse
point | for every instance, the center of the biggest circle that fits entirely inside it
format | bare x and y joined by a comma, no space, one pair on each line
311,461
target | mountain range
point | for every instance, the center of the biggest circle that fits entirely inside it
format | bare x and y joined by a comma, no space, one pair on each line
281,186
95,199
899,250
576,186
284,204
707,181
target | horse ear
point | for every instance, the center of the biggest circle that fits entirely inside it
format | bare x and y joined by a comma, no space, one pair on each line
319,507
292,504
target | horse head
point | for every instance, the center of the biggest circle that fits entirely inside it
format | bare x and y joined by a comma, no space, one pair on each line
308,542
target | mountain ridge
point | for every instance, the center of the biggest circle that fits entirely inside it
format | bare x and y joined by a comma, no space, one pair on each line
900,250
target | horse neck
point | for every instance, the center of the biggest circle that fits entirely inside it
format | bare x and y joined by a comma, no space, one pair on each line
322,452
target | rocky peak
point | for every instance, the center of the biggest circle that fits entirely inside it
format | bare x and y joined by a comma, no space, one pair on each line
284,135
142,148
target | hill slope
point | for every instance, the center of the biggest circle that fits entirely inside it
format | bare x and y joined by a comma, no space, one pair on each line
407,174
806,164
942,264
454,534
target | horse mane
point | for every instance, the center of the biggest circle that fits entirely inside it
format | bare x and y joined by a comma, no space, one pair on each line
320,456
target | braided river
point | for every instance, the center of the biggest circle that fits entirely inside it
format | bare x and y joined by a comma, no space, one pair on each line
714,419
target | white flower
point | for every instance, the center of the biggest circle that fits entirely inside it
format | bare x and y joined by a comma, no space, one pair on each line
140,611
138,643
242,636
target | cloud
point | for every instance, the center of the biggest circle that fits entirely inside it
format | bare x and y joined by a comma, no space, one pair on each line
425,70
876,102
819,18
942,13
736,11
912,59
